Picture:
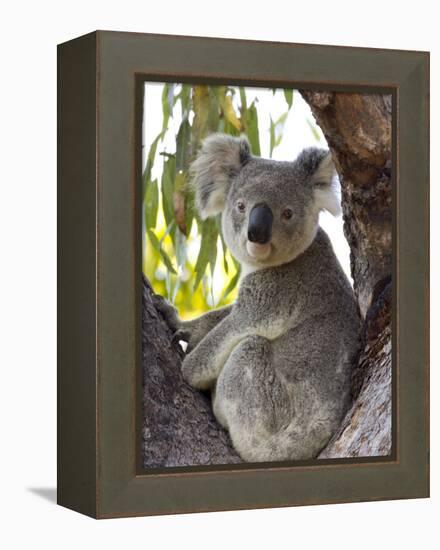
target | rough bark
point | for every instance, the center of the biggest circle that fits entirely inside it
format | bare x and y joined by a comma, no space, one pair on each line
358,131
366,429
179,428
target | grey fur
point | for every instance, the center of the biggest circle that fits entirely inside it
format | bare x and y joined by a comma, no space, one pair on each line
278,361
218,161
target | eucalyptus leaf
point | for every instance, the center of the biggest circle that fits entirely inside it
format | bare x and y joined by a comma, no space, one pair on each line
171,96
179,201
175,291
208,250
150,160
213,254
163,255
288,95
189,209
276,131
271,137
232,284
181,249
167,109
225,250
243,99
218,219
151,203
183,146
252,131
185,100
281,120
167,188
229,112
168,231
201,114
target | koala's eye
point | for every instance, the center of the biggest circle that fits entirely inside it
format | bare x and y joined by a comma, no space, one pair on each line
241,207
287,213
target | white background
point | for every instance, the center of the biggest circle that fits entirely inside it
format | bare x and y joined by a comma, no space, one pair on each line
29,34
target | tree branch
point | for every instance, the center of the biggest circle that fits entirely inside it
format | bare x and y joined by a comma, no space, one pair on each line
179,428
358,130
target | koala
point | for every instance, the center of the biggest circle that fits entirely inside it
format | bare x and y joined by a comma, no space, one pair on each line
278,361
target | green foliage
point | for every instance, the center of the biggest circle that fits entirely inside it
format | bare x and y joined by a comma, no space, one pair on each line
276,131
186,258
288,94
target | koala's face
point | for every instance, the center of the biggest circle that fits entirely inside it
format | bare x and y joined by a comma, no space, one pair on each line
269,216
270,209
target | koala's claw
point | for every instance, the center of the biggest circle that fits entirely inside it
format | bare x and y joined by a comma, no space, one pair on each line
176,339
180,334
167,310
160,302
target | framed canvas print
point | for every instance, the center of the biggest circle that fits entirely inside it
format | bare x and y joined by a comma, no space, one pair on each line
243,274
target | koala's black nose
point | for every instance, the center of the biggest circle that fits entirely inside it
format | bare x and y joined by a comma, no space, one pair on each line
260,224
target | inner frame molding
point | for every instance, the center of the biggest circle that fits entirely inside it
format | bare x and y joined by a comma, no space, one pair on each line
140,81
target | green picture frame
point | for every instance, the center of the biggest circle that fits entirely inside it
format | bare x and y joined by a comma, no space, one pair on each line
100,80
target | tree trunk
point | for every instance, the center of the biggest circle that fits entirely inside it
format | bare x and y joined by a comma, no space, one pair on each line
179,428
358,131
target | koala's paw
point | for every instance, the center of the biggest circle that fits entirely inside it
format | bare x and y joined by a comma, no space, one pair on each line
168,312
180,334
189,371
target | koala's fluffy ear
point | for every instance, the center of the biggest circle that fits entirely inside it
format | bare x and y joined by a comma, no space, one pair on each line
326,193
220,158
320,169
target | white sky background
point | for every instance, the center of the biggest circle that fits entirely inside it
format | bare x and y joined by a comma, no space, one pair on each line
296,136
